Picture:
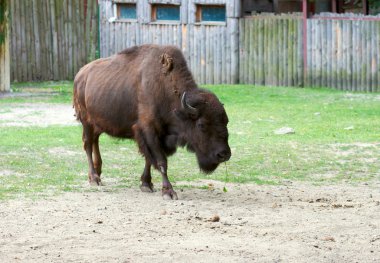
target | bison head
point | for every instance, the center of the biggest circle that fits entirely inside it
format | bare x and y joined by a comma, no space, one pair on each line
205,128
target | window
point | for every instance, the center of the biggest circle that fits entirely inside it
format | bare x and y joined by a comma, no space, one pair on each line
126,11
165,13
211,13
250,7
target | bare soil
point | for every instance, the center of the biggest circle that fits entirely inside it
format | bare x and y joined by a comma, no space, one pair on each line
294,222
250,223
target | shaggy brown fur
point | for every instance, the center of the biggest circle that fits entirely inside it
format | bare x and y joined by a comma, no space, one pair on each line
147,93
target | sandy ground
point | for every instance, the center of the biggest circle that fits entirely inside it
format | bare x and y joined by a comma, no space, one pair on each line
37,114
295,222
290,223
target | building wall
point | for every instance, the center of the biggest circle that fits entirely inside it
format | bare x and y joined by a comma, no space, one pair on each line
211,49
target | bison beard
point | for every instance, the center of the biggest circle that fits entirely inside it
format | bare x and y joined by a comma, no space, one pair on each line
148,94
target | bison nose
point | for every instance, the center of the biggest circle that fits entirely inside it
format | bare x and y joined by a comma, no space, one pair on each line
224,155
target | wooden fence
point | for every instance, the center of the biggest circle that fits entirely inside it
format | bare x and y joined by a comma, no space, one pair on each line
271,50
52,39
342,52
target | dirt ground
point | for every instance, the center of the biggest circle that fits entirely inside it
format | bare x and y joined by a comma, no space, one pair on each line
294,222
290,223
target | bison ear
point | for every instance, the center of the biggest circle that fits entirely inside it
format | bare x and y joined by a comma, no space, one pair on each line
167,63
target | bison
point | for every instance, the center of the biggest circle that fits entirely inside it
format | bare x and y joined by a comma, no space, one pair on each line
148,94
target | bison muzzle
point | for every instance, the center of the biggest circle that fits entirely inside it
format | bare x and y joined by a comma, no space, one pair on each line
148,94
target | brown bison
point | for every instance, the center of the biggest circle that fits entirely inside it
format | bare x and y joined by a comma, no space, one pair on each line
148,94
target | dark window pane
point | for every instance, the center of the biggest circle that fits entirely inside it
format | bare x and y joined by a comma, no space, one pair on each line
167,12
127,11
214,13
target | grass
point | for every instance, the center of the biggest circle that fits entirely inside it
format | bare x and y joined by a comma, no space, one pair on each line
336,140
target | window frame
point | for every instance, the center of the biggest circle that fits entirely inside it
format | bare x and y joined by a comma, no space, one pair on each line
118,6
153,13
198,14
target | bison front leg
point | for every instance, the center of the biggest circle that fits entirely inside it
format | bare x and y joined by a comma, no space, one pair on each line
151,148
88,141
167,189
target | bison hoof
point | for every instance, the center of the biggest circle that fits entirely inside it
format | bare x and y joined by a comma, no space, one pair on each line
147,188
169,194
95,180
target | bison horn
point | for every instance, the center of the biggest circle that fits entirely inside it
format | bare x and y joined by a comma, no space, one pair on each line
186,106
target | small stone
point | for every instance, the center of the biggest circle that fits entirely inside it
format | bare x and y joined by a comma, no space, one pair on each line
215,218
349,128
163,212
284,130
328,238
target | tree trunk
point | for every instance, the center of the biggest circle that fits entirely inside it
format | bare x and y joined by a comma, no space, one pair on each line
4,46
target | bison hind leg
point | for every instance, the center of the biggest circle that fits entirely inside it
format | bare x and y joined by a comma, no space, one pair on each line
90,145
146,179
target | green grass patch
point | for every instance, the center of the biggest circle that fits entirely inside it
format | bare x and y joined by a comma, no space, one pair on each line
49,91
336,140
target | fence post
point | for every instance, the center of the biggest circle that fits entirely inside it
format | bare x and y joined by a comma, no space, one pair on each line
304,40
4,46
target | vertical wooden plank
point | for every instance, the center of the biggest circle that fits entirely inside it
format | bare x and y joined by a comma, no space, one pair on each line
323,53
223,54
363,57
228,53
246,51
42,36
317,50
295,34
29,41
368,54
79,31
87,32
54,47
250,51
350,52
285,41
374,60
280,48
276,50
290,56
258,62
71,46
4,46
329,52
23,22
235,51
340,58
309,72
208,59
335,34
66,40
344,67
12,40
300,70
356,50
49,41
266,51
15,44
241,48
